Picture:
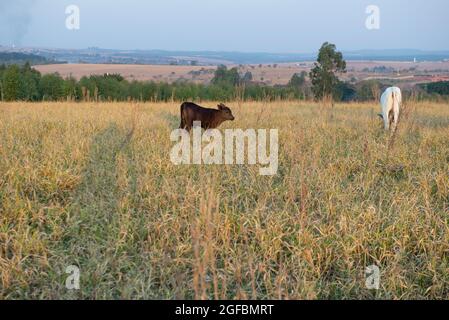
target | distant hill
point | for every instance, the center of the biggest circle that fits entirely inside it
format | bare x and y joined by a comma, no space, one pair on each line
95,55
397,55
21,58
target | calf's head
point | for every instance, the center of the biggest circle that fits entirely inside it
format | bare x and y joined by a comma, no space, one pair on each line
225,112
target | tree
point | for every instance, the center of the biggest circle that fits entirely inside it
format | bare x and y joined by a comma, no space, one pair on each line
248,77
297,85
225,77
71,90
344,91
220,74
441,88
368,90
2,70
51,87
324,74
29,83
11,83
298,80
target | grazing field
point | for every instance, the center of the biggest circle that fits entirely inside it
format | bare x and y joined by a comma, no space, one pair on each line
92,185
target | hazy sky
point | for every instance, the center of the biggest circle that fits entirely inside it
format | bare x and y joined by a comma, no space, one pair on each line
230,25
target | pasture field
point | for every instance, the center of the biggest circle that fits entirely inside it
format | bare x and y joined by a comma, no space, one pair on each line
92,185
267,73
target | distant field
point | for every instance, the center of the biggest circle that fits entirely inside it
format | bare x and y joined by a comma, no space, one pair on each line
92,185
271,74
165,73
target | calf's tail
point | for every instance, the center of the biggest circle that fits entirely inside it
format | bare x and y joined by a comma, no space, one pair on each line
183,124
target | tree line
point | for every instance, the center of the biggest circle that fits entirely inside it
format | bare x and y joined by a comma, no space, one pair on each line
20,58
23,83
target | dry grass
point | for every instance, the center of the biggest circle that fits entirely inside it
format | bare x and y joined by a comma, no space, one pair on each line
92,185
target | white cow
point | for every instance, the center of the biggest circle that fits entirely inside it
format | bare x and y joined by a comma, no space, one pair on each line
391,101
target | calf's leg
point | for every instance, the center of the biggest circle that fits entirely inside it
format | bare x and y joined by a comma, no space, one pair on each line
182,125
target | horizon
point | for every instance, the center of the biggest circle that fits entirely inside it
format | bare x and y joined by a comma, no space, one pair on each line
384,50
257,26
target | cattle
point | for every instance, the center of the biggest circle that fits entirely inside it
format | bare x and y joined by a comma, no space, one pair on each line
391,101
209,118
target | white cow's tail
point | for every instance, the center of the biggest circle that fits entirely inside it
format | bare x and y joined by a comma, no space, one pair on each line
395,107
395,100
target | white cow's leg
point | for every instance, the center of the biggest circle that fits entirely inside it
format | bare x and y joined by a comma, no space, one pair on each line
387,121
396,118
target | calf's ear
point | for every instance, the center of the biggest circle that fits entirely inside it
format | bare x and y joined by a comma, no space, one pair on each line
380,115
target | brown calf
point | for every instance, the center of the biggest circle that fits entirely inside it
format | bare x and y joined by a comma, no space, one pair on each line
210,118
